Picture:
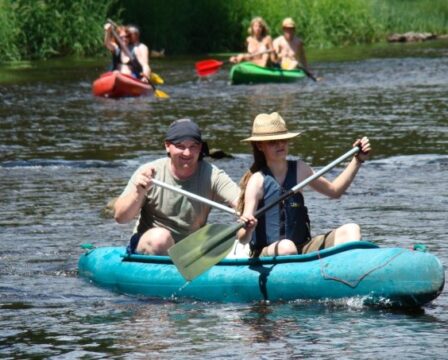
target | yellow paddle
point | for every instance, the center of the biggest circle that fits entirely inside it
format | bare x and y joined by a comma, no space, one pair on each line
156,79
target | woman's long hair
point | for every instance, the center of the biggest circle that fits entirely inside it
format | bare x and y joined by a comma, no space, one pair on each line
257,165
265,29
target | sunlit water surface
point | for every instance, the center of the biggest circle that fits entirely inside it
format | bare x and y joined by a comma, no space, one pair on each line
64,154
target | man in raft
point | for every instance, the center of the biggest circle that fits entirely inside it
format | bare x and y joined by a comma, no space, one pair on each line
166,217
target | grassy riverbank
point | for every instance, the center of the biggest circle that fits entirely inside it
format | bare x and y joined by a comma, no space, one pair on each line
31,29
39,29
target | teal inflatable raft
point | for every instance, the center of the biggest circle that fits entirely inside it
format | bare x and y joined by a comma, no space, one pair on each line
249,73
394,276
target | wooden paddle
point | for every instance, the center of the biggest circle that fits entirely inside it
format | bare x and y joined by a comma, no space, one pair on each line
194,196
206,247
157,93
211,66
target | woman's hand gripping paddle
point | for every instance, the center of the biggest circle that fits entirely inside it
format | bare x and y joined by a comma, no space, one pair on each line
204,248
154,79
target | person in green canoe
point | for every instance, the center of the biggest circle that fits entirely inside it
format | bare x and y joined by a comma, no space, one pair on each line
166,217
285,228
259,45
289,49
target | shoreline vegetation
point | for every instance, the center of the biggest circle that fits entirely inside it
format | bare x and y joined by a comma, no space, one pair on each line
42,29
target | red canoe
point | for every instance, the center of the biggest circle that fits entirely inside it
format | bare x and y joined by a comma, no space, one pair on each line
113,84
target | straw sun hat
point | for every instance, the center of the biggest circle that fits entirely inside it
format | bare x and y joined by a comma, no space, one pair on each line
288,23
268,127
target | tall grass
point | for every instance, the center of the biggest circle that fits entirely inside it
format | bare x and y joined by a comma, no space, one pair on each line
46,28
195,26
9,32
322,23
411,15
186,26
32,29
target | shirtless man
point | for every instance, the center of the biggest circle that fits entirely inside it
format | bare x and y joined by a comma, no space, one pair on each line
289,48
140,51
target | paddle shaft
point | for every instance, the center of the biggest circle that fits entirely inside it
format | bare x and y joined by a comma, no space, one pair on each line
194,196
120,43
250,56
209,67
307,72
216,241
305,182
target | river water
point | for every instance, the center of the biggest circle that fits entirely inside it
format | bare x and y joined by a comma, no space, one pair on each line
64,154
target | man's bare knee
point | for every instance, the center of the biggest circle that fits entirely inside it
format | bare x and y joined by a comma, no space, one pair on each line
155,241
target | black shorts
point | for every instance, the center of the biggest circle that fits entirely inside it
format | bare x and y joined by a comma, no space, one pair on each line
133,243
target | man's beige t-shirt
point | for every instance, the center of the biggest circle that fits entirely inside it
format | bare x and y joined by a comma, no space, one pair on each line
175,212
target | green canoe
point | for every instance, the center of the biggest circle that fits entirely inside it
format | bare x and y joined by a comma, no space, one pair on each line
249,73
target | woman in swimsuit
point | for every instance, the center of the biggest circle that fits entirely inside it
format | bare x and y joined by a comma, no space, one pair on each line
260,50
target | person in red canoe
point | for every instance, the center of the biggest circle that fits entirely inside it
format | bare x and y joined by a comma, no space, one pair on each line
129,56
259,45
140,50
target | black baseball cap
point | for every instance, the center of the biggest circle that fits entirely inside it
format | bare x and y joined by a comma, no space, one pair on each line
183,129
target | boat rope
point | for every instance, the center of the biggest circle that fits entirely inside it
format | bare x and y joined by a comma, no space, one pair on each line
355,283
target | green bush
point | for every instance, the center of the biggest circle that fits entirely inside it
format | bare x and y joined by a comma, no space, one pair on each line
9,32
47,28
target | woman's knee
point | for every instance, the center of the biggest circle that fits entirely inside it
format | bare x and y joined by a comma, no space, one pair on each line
347,232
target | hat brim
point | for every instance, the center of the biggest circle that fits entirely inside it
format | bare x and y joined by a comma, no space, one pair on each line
288,135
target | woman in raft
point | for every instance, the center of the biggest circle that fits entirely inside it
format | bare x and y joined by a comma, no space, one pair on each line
285,228
260,50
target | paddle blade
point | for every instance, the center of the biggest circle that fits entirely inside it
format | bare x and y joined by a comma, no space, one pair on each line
204,248
208,67
288,64
156,79
161,94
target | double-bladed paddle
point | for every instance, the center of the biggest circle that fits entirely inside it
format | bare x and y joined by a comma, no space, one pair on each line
207,246
153,78
211,66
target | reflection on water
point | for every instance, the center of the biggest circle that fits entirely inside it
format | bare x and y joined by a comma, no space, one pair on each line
64,154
